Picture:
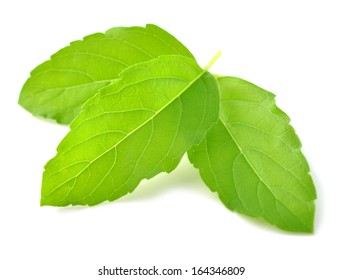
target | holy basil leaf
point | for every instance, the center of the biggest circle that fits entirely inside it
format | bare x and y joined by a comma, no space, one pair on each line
135,128
57,88
252,159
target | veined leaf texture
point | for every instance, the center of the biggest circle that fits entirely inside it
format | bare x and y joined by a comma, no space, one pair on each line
58,87
252,159
137,101
133,129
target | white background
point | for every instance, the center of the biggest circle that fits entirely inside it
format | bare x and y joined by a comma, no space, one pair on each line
292,48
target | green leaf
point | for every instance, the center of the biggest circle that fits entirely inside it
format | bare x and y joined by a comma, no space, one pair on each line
133,129
252,159
57,88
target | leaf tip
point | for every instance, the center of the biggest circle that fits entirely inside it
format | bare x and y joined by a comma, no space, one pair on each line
43,202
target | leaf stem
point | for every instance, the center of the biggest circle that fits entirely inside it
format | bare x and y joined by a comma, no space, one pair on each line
213,60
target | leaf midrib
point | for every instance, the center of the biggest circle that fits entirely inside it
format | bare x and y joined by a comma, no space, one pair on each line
64,89
254,170
129,134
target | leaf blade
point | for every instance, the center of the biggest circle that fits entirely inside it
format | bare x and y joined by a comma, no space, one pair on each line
134,129
58,87
252,159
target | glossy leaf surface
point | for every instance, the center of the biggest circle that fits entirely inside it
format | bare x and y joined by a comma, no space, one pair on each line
133,129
